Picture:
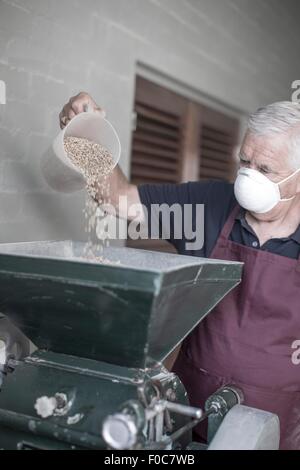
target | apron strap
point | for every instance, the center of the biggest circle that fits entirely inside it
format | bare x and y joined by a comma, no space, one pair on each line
226,230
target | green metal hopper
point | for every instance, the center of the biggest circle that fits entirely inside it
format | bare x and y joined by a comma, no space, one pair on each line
122,313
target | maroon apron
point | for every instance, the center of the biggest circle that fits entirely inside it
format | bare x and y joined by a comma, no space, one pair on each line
247,339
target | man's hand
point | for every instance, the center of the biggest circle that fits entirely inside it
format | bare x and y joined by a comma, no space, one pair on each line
78,104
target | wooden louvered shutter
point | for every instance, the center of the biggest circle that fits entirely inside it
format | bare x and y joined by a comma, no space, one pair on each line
218,139
157,140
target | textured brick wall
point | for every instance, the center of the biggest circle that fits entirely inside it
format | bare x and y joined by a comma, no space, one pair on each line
242,52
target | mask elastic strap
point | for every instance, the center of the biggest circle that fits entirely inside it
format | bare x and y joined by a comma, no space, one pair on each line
287,199
286,179
291,176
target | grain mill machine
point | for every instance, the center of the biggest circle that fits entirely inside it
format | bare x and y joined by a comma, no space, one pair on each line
94,378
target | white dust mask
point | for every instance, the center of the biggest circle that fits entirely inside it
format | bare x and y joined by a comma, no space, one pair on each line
256,193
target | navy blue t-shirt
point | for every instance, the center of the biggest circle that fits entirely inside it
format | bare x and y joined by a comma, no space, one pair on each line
218,199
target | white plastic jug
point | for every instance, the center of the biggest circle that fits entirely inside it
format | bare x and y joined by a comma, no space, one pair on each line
57,168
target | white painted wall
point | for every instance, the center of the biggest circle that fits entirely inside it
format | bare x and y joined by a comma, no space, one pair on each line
243,53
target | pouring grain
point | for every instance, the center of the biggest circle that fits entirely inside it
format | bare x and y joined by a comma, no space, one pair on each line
95,163
93,160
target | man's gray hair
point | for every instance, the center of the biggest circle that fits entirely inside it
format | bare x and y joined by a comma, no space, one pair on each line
282,117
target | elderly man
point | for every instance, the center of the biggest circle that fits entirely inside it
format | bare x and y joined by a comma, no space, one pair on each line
248,338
